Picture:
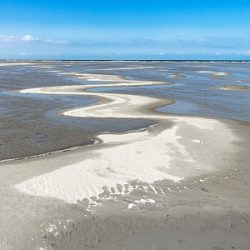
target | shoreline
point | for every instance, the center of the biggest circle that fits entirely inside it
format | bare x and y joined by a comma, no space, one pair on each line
95,140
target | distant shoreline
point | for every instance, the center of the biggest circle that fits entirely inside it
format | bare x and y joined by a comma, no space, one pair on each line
114,60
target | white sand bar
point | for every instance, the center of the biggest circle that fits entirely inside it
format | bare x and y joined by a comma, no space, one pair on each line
161,152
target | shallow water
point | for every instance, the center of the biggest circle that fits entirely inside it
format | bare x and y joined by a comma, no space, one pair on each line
194,92
31,123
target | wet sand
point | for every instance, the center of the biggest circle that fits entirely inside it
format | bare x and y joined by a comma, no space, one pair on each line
180,184
208,211
234,88
24,133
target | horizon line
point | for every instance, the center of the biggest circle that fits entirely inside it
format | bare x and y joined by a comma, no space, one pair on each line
130,60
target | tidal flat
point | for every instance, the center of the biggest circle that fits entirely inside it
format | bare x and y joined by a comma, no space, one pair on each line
124,155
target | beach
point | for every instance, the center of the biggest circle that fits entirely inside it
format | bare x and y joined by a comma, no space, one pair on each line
155,180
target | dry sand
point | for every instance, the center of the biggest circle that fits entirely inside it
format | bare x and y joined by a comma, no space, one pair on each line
181,184
132,156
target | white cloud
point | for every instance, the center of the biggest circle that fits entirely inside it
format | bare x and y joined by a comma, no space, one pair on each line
10,38
247,52
25,53
55,41
4,38
29,38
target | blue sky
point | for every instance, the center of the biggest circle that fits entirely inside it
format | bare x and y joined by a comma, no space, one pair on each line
139,29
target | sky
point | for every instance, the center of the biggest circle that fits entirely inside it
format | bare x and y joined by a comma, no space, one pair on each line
129,29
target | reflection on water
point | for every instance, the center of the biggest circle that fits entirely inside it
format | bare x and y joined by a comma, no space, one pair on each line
31,124
195,93
192,84
180,107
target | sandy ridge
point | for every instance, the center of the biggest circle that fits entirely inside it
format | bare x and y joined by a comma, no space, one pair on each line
147,156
